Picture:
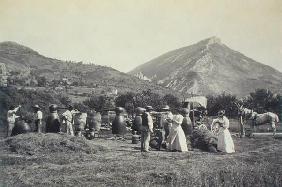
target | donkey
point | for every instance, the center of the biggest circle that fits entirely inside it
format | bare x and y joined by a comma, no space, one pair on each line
259,119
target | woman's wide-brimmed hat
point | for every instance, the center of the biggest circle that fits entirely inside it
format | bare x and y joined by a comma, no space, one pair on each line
166,107
221,112
149,108
36,106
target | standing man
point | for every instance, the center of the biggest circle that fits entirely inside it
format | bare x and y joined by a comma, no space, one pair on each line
166,114
68,120
11,118
147,128
38,116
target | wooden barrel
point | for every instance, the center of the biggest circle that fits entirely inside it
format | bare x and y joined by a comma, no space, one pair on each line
119,125
94,121
80,121
137,124
53,123
21,127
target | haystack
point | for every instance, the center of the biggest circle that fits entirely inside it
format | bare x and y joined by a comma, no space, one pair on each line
204,139
38,143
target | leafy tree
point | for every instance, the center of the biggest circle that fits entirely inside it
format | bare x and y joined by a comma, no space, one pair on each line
222,102
127,101
96,102
147,97
65,100
132,100
81,107
262,100
172,101
26,98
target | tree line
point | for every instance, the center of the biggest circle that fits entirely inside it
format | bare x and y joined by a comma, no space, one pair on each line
260,100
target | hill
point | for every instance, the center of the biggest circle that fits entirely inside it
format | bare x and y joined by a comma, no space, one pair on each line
209,67
28,67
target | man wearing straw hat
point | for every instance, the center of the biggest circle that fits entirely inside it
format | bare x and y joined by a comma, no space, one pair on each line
164,124
68,120
146,129
38,116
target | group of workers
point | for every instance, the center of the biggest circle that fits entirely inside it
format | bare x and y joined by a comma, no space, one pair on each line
168,130
66,122
12,117
172,131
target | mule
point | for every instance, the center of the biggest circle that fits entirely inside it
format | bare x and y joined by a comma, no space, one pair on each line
260,119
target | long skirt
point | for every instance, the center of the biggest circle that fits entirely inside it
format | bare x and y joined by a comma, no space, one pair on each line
176,140
225,142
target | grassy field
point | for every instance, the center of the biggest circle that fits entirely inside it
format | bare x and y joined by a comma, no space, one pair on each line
56,160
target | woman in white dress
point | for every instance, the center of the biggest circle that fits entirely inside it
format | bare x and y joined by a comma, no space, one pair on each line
225,143
176,140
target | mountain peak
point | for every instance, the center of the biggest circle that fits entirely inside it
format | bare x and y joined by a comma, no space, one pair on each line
211,40
210,67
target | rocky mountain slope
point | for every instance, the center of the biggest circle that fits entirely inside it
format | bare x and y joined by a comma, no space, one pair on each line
27,64
210,67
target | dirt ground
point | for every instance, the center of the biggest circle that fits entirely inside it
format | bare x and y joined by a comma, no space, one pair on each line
61,160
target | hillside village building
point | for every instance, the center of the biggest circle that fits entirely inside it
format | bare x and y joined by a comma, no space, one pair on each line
3,75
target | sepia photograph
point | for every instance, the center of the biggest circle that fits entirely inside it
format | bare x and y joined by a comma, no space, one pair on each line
141,93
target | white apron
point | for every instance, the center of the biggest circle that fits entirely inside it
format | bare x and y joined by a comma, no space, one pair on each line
225,142
176,139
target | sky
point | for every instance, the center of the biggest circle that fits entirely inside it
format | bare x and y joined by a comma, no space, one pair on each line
126,33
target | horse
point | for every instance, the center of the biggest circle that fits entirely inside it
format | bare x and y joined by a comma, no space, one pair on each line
259,119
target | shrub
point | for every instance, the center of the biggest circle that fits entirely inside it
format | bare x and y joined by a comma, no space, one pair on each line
26,98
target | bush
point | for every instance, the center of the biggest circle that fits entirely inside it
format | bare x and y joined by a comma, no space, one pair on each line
26,98
96,102
222,102
263,100
131,100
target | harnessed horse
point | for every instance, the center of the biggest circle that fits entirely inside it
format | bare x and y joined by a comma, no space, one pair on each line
259,119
